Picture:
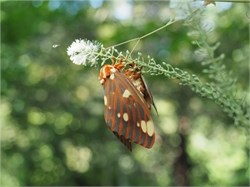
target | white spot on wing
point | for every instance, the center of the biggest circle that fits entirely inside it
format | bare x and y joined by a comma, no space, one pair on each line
143,126
150,128
105,100
125,116
126,93
112,76
102,81
118,115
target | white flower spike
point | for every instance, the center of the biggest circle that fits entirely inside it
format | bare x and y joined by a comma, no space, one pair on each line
83,51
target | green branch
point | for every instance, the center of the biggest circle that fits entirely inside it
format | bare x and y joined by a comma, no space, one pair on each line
232,107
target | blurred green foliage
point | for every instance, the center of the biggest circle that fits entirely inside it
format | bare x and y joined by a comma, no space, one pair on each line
52,126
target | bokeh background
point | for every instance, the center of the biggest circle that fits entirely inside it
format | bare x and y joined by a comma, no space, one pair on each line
52,124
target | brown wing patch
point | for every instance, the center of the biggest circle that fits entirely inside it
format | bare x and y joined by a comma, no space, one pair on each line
125,141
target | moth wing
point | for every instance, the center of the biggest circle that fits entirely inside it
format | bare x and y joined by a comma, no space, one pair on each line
126,112
148,94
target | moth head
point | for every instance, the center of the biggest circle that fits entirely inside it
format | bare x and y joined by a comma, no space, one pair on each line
105,72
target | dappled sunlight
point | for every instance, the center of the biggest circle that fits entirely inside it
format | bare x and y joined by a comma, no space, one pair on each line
126,163
36,117
167,120
77,158
107,31
82,93
222,152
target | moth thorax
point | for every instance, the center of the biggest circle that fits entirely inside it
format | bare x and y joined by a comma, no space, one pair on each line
135,78
139,85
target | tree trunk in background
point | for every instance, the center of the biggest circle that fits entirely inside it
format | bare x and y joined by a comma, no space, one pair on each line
181,165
